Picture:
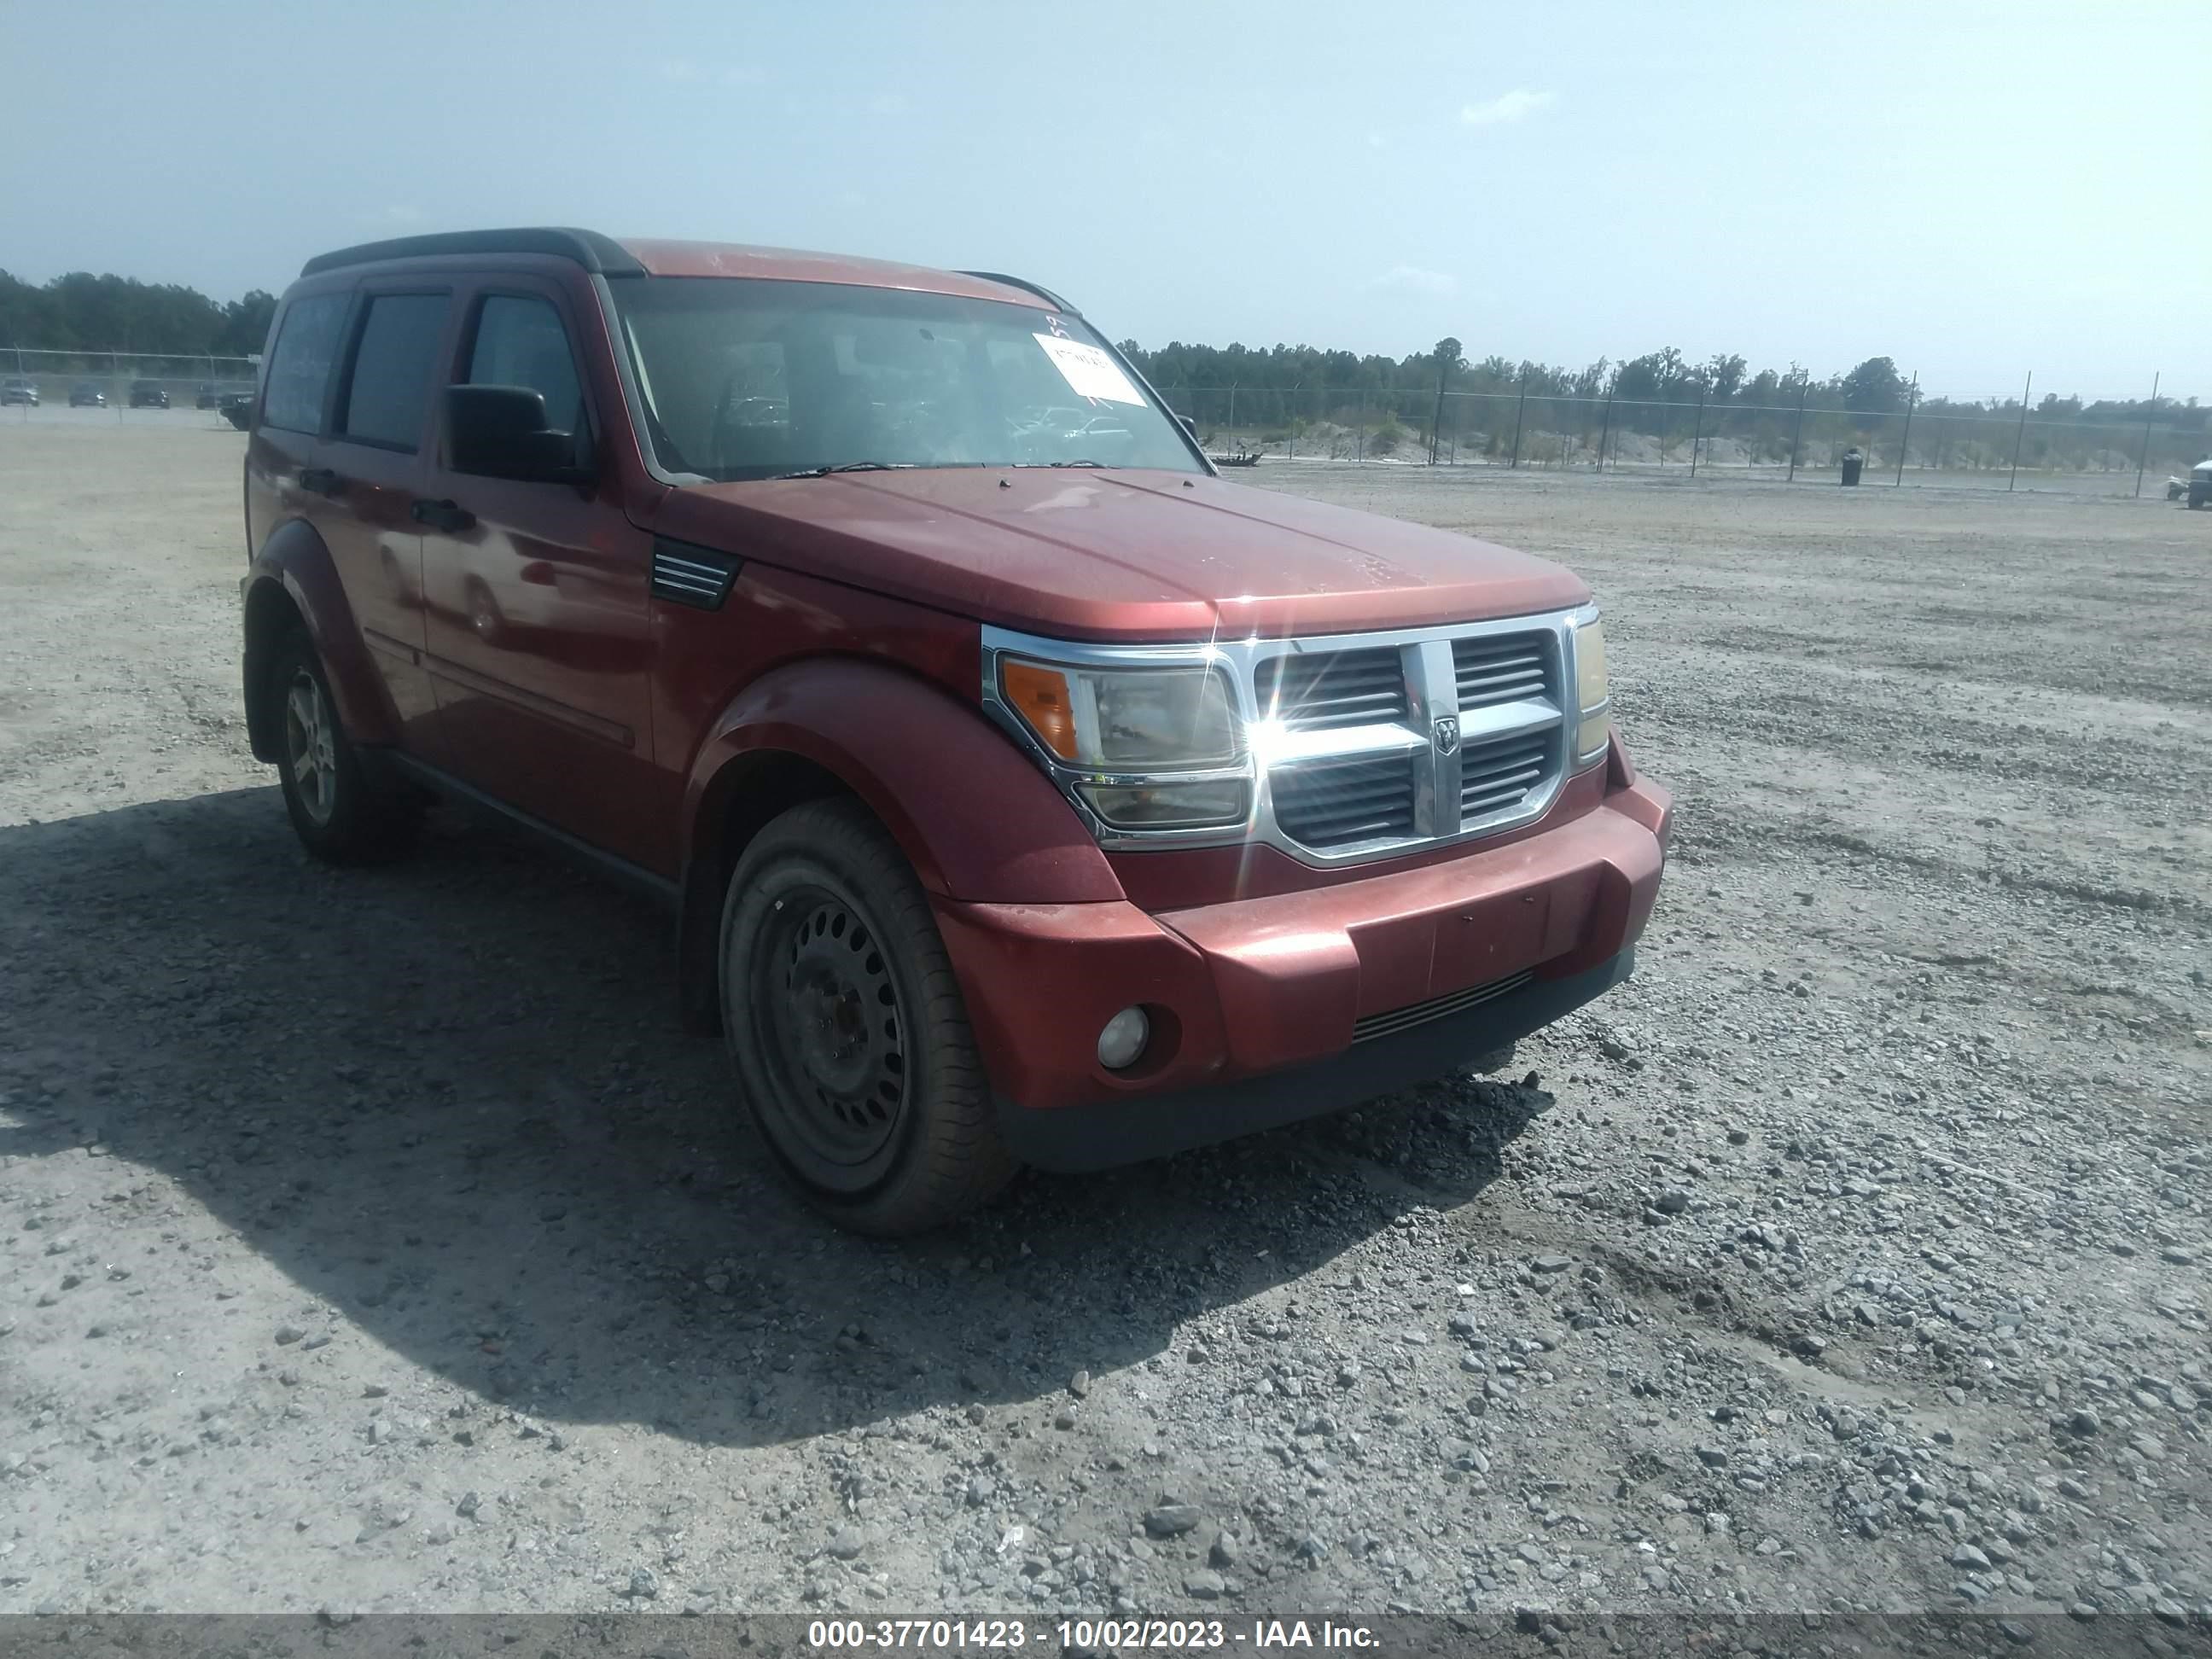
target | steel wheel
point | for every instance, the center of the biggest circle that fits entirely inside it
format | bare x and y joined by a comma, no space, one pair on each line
852,1048
310,747
835,1036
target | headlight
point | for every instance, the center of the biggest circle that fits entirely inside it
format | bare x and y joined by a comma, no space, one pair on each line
1593,699
1122,719
1163,746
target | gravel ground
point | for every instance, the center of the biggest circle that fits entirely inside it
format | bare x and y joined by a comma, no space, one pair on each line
375,1241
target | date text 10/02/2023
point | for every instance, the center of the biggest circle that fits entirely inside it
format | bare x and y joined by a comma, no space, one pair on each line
1086,1634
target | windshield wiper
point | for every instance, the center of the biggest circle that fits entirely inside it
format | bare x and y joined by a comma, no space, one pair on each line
1100,464
849,467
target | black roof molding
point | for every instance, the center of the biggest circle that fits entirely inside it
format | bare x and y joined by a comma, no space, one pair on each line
1027,287
595,252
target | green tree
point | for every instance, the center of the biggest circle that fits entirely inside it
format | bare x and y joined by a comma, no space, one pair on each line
1875,387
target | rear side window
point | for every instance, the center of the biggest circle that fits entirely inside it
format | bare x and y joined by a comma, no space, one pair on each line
392,368
299,366
520,342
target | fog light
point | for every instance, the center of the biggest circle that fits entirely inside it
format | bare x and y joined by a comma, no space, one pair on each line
1124,1039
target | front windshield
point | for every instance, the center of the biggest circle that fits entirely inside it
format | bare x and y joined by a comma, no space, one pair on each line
746,377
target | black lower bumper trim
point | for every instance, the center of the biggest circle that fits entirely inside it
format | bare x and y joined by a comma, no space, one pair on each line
1107,1133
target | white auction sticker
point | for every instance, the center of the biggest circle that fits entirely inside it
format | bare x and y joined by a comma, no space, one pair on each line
1088,370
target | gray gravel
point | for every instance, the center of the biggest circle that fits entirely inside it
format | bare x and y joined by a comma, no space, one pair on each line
1852,1255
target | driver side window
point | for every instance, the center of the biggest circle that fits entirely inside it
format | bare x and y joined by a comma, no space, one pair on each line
520,342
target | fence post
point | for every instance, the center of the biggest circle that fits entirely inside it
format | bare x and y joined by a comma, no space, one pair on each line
1232,413
2142,457
1519,410
1804,385
2021,432
1437,425
1698,431
1605,431
1359,455
1911,398
1293,421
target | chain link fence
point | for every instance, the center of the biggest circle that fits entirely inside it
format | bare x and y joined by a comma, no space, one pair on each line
120,380
2002,447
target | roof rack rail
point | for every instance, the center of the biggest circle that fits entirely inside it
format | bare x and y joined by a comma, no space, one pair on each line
595,252
1023,283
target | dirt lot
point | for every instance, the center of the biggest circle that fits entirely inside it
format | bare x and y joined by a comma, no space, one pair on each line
377,1240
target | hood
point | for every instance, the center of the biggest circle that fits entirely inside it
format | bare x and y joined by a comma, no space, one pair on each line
1117,555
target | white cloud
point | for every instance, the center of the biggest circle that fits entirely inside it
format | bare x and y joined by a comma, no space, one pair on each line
1517,104
1414,280
889,103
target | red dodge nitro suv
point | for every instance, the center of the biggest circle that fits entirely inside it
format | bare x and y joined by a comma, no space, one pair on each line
1026,792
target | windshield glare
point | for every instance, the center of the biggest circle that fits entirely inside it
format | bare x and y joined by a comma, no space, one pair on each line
758,379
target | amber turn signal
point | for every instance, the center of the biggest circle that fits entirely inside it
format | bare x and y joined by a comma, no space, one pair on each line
1040,696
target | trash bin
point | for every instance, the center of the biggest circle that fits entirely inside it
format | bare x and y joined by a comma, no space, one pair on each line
1854,463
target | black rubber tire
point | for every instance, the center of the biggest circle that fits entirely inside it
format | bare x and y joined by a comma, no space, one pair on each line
941,1155
370,819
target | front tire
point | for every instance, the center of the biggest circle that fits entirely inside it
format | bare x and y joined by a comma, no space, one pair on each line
342,813
846,1030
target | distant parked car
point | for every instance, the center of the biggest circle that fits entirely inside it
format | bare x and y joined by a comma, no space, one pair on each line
85,395
148,394
19,390
2200,482
237,408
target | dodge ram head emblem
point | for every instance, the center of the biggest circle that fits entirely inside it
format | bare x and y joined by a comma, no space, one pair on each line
1446,734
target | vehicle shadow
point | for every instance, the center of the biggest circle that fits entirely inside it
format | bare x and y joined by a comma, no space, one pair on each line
451,1099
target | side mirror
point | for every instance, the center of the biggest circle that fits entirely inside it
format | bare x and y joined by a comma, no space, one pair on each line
1189,424
499,432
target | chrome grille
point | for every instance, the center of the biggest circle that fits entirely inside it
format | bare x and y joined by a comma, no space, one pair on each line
1334,803
1327,691
1420,1013
1501,668
1359,746
1498,776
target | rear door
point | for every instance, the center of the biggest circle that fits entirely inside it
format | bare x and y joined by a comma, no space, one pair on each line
537,603
372,468
286,440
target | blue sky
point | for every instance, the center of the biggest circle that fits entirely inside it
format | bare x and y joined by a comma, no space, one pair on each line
1975,190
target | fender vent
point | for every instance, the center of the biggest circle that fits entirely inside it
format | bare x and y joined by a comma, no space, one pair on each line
697,576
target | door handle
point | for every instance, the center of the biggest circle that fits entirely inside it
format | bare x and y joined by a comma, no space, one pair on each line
321,479
442,515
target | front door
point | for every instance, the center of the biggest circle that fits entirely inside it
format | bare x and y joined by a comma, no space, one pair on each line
536,599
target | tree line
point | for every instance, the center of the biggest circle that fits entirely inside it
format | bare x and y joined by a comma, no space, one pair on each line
88,313
1286,382
83,313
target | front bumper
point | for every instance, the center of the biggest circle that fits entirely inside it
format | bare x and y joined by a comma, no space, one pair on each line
1268,1009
